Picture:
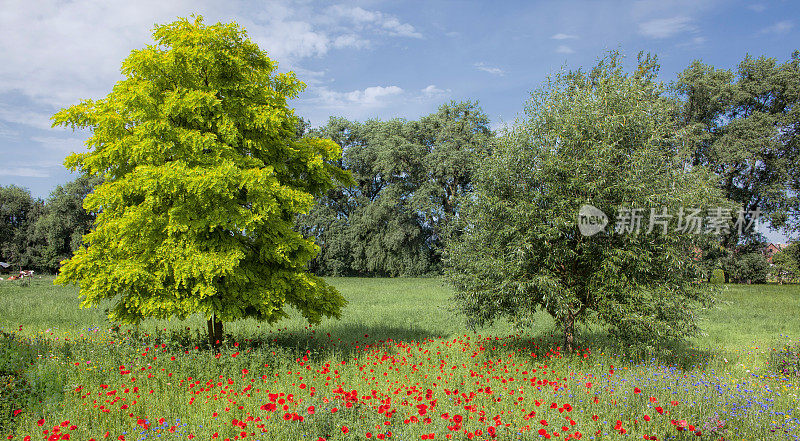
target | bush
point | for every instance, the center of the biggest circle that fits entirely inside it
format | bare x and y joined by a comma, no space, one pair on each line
717,276
747,268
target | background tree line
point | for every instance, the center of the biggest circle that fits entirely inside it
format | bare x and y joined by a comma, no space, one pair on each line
744,126
39,234
411,176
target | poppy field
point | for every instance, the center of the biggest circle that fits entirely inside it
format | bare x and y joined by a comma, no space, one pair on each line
399,365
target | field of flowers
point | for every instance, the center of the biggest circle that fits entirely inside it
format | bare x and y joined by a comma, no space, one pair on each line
399,368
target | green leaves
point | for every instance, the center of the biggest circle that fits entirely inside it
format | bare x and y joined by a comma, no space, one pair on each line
604,138
743,126
409,177
203,176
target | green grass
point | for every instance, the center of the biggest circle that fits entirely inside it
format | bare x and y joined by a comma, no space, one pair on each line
396,335
748,314
400,309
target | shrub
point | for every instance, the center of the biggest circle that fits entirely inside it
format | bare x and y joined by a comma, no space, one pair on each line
747,268
718,276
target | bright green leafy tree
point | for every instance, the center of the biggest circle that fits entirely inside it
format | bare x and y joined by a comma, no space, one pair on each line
605,138
203,176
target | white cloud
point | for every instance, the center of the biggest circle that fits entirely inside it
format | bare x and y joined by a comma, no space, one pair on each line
375,21
374,96
39,120
56,53
432,90
317,104
394,27
24,172
310,77
778,28
757,7
564,49
561,36
665,27
350,40
491,69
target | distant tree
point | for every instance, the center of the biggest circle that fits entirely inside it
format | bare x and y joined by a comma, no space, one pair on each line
18,212
327,221
387,234
605,138
203,175
58,232
710,254
746,267
409,177
745,127
457,138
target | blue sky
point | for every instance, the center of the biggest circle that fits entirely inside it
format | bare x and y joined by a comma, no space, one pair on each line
361,60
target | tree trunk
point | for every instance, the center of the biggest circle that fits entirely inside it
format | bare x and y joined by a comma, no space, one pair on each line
210,324
214,333
569,332
217,332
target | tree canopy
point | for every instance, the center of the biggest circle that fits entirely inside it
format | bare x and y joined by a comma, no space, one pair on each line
745,127
203,175
18,211
409,178
603,138
58,231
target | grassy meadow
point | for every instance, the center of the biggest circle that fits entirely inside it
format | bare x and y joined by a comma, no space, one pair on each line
399,365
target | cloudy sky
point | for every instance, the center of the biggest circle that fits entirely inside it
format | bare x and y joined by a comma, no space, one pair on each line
360,60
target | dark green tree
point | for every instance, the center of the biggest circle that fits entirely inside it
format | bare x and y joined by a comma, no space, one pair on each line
18,212
457,138
745,127
58,232
409,177
745,267
604,138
